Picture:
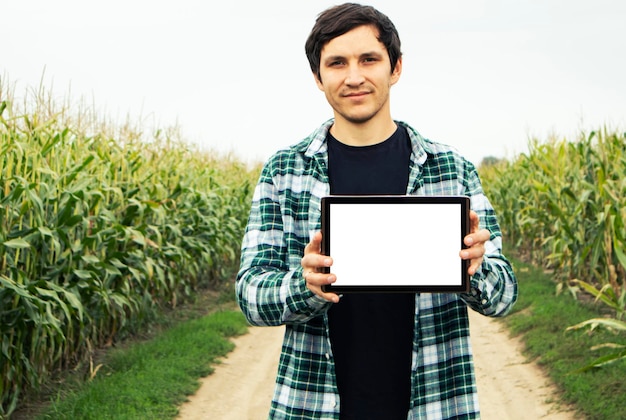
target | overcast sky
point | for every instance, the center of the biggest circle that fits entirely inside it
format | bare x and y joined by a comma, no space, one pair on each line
481,75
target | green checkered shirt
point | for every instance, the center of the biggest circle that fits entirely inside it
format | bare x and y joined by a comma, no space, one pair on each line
271,290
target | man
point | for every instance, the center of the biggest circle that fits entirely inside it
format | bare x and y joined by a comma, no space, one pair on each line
364,356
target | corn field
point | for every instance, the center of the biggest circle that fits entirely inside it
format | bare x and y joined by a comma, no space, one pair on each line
563,206
99,227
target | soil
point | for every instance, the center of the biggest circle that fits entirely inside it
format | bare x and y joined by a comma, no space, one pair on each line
510,387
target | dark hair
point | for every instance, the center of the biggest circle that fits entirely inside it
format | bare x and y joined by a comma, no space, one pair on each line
338,20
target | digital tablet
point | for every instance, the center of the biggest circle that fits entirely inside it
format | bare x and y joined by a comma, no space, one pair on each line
396,243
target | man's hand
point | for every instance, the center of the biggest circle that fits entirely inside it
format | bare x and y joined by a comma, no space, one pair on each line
476,243
311,262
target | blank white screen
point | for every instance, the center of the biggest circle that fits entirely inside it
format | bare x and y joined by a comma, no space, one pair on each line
396,244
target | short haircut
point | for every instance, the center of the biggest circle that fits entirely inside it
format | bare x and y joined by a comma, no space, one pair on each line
338,20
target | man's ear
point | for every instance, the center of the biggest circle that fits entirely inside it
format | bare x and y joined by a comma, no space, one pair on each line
318,82
397,71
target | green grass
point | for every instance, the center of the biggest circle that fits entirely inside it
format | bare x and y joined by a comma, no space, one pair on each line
150,379
541,317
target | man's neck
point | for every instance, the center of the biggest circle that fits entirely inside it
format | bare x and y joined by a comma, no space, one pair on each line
363,134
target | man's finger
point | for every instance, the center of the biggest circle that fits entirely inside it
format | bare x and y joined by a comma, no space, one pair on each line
474,221
315,245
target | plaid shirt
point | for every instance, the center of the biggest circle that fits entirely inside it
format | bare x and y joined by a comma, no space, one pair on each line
271,289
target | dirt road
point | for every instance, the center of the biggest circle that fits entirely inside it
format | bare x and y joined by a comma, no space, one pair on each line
509,388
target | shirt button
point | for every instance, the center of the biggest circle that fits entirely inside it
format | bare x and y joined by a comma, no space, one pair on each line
334,403
484,301
327,356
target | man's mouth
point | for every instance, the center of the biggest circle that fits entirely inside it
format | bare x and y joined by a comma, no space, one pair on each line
355,94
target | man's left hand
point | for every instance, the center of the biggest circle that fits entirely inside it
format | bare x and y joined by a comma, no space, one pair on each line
476,244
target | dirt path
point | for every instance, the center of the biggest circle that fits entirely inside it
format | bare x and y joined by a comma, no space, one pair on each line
509,388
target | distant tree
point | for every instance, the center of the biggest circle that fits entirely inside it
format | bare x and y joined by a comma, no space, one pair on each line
490,161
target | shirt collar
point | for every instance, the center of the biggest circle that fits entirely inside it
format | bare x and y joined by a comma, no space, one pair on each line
420,147
316,141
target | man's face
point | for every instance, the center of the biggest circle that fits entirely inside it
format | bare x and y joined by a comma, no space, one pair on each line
355,75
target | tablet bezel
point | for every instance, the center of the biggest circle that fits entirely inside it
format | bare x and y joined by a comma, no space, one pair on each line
462,201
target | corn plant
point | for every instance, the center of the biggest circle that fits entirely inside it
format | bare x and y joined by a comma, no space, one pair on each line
100,226
565,205
618,303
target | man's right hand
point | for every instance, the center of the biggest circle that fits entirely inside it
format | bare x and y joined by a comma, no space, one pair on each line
311,263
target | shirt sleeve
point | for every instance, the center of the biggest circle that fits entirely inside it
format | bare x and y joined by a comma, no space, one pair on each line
271,291
493,288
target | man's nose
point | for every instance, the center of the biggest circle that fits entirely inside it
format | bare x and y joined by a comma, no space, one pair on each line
355,75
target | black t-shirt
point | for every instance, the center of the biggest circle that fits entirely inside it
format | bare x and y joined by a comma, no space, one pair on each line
371,334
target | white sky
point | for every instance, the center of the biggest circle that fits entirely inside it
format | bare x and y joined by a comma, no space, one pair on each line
481,75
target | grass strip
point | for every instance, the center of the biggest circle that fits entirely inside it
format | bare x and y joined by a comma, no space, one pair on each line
541,317
149,380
